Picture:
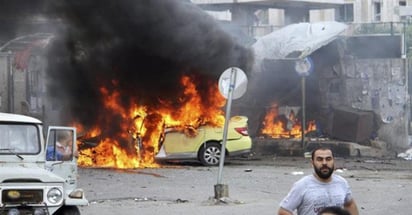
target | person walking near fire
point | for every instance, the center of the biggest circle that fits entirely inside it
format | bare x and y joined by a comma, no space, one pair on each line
312,193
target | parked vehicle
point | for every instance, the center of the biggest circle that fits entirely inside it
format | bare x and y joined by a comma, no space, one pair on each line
30,183
204,143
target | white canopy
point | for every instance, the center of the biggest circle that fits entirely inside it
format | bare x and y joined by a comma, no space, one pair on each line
295,41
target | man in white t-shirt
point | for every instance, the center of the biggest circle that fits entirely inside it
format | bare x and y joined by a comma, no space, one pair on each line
312,193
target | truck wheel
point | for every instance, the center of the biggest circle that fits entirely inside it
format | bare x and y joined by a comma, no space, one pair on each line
68,210
209,154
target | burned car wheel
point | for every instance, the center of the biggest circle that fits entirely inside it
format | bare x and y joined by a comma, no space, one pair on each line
209,154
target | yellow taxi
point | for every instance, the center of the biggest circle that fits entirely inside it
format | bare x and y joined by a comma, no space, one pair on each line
204,144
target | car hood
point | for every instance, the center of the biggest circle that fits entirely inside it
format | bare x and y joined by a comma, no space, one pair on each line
31,172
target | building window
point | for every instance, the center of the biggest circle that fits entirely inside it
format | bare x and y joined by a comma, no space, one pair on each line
377,11
344,13
402,2
261,17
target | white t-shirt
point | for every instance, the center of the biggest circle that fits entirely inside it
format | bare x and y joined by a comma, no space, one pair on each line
309,195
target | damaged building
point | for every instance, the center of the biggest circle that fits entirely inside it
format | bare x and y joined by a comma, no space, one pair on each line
360,80
356,95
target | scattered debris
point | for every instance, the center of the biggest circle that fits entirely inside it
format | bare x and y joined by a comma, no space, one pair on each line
142,173
222,201
340,170
369,168
407,155
143,199
297,173
181,201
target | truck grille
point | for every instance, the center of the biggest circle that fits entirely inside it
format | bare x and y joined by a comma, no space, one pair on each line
22,196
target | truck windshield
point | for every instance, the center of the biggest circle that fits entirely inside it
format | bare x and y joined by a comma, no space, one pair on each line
19,139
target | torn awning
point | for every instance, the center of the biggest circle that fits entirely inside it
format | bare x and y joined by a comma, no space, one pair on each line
296,41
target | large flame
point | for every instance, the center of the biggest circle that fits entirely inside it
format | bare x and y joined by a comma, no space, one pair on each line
276,125
135,144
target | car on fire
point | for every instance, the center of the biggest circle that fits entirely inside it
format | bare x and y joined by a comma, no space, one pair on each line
30,183
204,143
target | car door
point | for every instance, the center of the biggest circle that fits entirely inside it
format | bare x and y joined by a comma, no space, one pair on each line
184,141
65,167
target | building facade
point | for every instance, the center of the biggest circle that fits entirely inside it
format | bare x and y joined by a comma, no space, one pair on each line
264,16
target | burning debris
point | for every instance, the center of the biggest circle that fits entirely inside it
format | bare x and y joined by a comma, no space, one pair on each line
137,141
282,122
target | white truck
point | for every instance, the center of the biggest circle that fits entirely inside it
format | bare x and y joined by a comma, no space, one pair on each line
34,178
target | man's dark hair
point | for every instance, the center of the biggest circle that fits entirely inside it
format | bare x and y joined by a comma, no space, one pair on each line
334,210
321,148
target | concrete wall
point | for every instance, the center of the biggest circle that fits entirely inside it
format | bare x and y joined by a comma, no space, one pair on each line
322,15
380,85
376,85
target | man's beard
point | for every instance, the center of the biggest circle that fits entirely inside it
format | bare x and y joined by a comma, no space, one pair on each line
324,175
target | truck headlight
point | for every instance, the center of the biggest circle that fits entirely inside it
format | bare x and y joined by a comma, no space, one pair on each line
54,195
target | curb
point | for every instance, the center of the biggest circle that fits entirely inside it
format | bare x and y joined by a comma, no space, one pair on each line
293,147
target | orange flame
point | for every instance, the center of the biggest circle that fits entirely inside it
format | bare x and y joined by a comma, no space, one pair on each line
136,142
277,125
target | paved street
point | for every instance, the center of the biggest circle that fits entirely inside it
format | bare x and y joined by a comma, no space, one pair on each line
256,186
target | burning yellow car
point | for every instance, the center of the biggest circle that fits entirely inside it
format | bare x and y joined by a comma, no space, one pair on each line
204,143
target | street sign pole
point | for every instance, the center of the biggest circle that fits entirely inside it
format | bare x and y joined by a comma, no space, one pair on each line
232,85
304,67
225,128
222,190
303,119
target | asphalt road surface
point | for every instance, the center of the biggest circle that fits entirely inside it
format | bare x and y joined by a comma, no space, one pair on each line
255,185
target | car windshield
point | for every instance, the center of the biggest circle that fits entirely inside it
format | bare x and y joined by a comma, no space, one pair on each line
19,139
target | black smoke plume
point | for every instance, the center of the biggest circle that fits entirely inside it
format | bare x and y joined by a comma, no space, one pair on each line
141,48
